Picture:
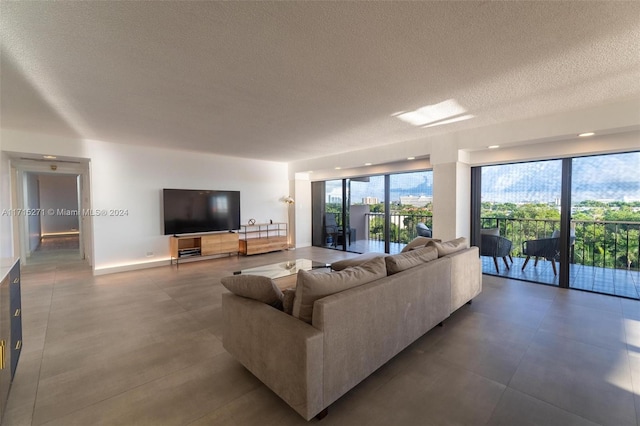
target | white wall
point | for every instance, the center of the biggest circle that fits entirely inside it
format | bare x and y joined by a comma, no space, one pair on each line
59,192
34,228
131,178
6,237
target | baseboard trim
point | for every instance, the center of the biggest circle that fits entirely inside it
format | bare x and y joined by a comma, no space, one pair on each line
130,267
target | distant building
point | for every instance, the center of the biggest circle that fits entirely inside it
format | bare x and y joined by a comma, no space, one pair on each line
333,199
370,200
412,200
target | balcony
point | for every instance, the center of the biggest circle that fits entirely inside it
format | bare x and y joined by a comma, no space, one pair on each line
605,257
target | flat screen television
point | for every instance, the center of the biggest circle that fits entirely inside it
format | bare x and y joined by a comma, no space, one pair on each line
188,211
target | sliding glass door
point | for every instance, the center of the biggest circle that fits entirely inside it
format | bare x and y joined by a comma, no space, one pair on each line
333,215
367,230
379,213
573,222
411,208
520,220
605,224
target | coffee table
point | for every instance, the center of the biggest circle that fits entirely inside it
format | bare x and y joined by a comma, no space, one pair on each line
284,273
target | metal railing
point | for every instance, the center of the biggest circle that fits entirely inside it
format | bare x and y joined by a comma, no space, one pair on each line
402,230
605,244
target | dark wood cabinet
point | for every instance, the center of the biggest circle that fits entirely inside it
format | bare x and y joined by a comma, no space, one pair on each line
10,327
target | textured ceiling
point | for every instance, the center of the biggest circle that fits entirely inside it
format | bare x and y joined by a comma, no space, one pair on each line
286,81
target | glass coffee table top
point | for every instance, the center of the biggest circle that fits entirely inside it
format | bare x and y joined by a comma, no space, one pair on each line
283,269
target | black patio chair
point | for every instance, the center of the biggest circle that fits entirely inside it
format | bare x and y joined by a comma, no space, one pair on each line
336,232
496,246
547,248
423,230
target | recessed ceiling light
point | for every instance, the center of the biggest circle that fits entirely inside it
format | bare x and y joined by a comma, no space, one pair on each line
584,135
49,157
338,168
411,158
493,146
367,164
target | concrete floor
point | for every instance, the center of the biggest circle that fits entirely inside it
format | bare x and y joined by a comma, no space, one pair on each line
144,348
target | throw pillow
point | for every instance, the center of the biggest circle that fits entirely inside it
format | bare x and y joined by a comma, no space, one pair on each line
449,247
287,300
402,261
255,287
417,242
315,285
355,261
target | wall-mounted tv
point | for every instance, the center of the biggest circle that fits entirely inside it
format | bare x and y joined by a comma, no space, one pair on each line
188,211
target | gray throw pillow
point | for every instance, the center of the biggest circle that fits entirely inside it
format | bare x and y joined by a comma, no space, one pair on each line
355,261
449,247
402,261
255,287
287,300
315,285
417,242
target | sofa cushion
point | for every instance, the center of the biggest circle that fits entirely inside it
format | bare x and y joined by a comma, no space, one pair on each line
400,262
417,242
255,287
315,285
448,247
289,295
355,261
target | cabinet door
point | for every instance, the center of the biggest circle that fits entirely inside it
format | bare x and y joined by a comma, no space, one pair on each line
15,313
5,344
228,243
219,243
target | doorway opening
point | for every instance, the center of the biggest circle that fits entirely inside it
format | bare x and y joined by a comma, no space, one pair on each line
53,196
54,233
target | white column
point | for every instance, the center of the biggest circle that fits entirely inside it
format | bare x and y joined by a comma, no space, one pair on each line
451,194
300,220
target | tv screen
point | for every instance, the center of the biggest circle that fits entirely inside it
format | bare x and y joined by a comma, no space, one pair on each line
189,211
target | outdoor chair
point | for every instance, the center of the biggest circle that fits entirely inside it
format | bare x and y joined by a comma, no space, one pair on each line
336,232
547,248
423,230
495,246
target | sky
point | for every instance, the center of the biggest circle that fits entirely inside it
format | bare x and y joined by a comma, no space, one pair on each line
602,177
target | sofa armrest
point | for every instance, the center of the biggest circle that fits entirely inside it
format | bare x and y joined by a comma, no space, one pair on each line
466,276
285,353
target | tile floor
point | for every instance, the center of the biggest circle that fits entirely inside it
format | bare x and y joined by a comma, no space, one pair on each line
618,282
144,348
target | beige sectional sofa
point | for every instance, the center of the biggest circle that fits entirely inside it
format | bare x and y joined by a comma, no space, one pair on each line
351,332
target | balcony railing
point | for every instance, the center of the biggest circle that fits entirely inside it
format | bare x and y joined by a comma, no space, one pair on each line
605,244
403,226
